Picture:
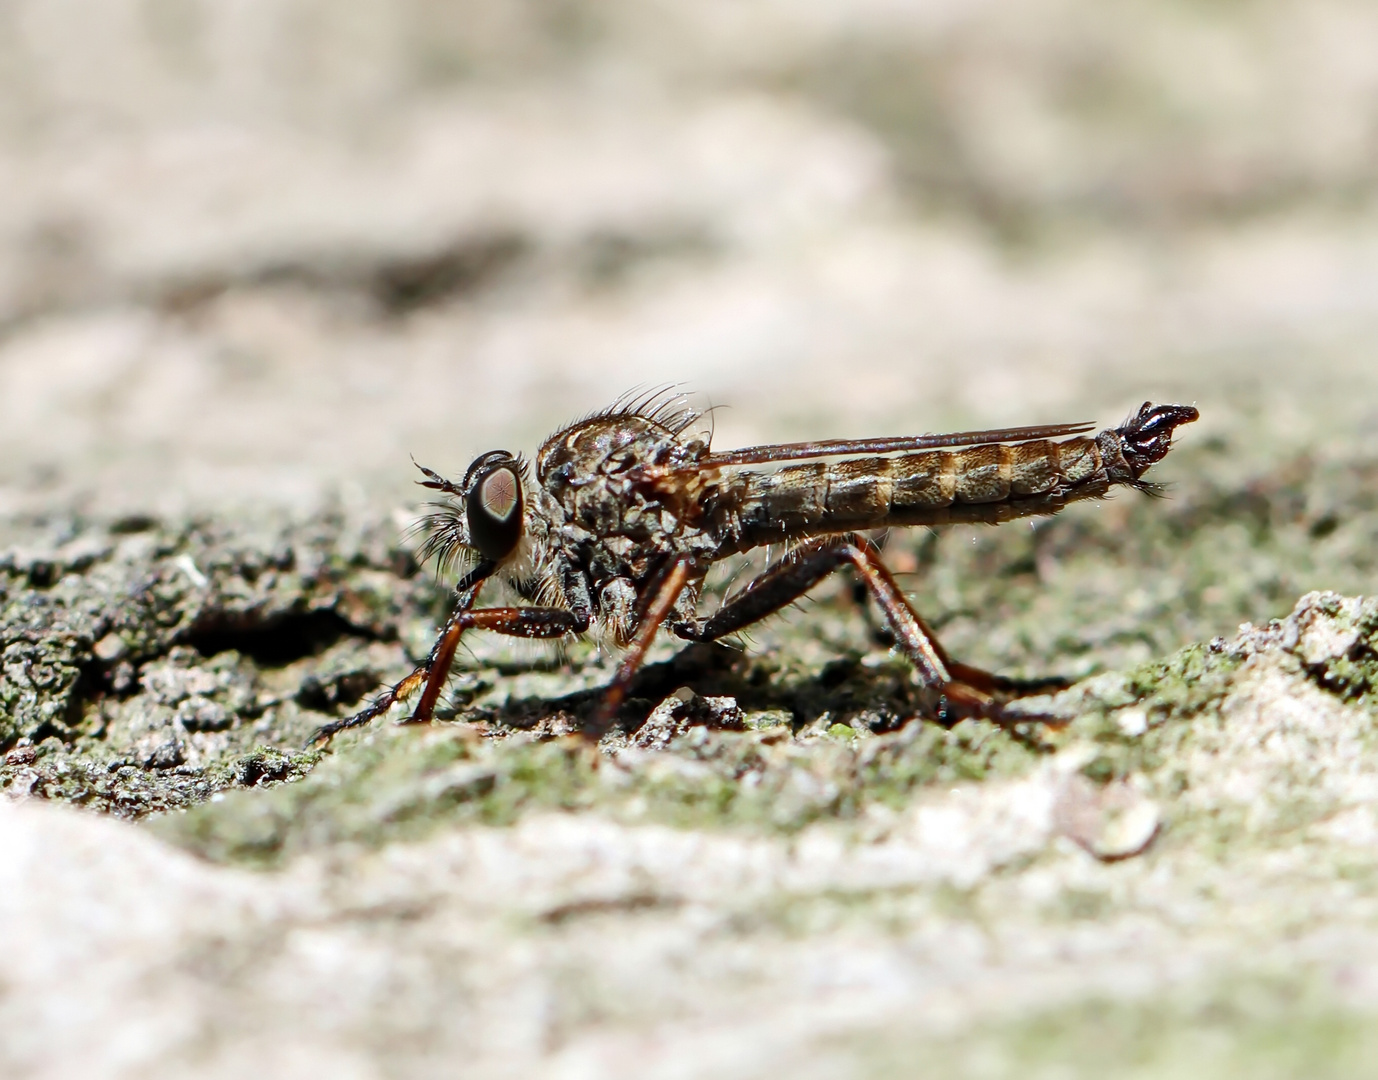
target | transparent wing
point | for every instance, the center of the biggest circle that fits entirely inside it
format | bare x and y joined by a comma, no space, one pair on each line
832,447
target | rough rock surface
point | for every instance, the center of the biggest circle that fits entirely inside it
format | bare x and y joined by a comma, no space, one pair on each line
780,865
597,944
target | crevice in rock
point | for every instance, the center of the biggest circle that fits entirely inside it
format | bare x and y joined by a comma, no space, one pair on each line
273,642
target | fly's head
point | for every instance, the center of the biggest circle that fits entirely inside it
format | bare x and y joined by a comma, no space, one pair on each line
483,519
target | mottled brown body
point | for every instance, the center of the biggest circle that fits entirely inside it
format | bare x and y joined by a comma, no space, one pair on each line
629,509
982,484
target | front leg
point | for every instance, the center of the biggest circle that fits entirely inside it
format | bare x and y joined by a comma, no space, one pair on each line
525,622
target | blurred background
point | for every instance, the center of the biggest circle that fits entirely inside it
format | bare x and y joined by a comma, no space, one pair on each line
259,251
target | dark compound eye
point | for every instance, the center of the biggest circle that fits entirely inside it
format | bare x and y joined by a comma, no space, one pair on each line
494,508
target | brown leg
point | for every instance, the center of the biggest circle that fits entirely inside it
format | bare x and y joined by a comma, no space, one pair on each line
527,622
442,656
788,580
969,689
911,633
377,707
657,611
991,683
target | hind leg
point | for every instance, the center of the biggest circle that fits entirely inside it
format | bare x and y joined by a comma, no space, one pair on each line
959,689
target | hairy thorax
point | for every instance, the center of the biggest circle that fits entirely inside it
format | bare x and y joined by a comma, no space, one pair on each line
603,482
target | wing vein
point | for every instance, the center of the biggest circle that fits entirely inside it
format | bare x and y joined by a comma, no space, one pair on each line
833,447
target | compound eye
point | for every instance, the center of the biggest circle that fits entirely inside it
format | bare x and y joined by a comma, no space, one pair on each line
494,508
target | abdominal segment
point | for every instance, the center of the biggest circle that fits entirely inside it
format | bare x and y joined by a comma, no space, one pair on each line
991,482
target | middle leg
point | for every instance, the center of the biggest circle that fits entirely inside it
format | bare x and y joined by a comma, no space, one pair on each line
661,600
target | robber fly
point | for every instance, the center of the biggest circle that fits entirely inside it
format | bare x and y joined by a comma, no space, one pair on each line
625,511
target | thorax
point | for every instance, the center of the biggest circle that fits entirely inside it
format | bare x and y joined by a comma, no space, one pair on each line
616,502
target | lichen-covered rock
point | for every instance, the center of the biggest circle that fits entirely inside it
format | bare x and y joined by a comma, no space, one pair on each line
1188,861
143,661
169,652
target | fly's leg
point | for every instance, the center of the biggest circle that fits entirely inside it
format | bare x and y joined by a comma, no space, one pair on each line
525,622
467,589
1004,685
788,580
964,690
663,597
985,681
377,707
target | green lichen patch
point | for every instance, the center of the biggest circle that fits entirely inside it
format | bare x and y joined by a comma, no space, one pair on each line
141,662
1134,723
405,782
126,788
1341,654
1254,1026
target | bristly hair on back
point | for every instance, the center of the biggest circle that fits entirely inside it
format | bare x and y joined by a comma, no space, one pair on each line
664,404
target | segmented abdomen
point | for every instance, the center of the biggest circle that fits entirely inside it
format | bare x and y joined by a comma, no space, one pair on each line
992,483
